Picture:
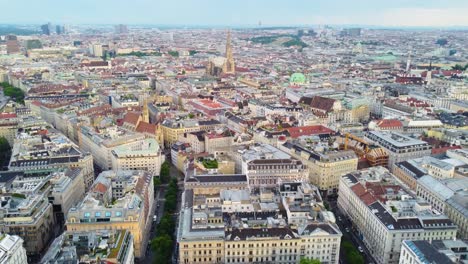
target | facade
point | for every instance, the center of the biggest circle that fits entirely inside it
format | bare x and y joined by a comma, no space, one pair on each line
385,215
140,155
117,200
222,221
398,146
449,196
12,250
410,171
325,166
271,172
45,154
67,189
172,130
101,246
436,251
29,216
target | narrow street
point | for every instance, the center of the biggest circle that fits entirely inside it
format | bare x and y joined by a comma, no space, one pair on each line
350,233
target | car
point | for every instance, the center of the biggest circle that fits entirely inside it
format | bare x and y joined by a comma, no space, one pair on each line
155,217
339,218
360,249
347,229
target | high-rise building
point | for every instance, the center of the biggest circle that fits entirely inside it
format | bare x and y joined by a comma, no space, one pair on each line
12,44
121,29
47,29
60,29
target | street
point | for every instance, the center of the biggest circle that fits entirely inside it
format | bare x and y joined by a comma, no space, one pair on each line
349,232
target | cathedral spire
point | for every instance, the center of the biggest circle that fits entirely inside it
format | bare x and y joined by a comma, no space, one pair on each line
230,66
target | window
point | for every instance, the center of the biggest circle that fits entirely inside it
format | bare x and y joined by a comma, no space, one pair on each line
87,215
97,214
108,214
118,214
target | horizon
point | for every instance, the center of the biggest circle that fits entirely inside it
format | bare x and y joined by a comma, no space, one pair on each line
243,13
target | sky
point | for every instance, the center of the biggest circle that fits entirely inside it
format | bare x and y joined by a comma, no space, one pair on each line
412,13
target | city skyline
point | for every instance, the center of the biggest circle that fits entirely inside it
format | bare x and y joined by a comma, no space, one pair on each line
399,13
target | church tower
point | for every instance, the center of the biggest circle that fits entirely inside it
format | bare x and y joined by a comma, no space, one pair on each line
230,65
145,110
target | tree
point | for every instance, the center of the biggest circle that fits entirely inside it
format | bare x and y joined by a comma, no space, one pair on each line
165,174
5,152
309,261
162,247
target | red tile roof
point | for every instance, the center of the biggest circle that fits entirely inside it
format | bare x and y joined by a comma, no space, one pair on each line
131,118
389,123
322,103
308,131
7,115
100,188
144,127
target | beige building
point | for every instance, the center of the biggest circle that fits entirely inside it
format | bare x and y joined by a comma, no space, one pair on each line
221,222
325,166
172,129
117,200
67,189
38,155
29,216
385,215
140,155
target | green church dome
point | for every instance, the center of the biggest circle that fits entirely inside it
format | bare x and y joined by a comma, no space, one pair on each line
297,78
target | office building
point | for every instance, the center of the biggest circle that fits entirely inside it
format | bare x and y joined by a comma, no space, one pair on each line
385,215
399,146
434,252
121,200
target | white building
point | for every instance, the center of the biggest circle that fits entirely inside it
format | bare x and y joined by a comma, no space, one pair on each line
398,146
12,250
385,214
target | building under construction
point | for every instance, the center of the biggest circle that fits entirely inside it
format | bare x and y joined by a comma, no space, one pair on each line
370,155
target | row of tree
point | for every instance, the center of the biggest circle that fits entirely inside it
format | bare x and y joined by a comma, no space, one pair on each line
352,255
5,153
15,93
163,244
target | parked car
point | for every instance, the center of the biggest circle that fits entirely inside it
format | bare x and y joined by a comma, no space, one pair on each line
360,249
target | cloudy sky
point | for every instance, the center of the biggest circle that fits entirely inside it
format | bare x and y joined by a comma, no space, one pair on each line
436,13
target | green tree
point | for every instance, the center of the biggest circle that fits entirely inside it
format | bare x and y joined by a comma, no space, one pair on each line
173,53
5,152
309,261
165,174
162,247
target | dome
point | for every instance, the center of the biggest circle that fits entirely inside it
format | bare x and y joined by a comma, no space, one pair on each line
297,78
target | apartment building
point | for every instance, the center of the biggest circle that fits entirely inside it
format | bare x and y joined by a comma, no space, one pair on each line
67,189
172,129
101,143
326,165
231,224
449,196
436,251
121,200
101,246
28,214
45,153
140,155
12,250
410,171
385,214
399,146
